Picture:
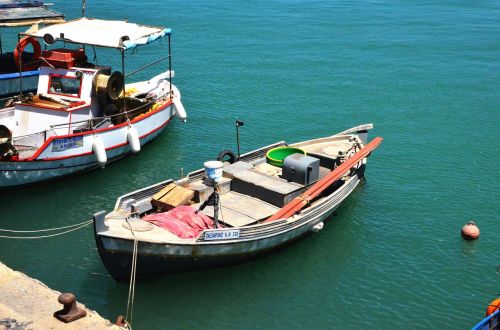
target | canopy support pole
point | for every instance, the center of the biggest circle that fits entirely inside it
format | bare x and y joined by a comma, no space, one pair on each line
20,66
123,73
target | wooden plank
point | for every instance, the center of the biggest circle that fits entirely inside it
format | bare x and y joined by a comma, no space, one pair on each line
164,191
172,196
177,196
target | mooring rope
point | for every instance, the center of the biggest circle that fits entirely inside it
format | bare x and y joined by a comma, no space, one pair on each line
127,325
49,229
131,288
73,228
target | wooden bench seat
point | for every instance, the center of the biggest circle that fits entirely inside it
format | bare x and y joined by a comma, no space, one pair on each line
268,188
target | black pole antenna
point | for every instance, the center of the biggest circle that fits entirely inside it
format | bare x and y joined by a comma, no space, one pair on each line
238,124
84,2
170,65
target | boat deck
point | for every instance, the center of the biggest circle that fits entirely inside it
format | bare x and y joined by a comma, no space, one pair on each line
250,191
255,190
238,210
143,231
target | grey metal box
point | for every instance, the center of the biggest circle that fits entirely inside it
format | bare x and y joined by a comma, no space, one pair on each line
271,189
301,169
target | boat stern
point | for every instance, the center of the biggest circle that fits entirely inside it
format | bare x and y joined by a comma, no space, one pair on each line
99,222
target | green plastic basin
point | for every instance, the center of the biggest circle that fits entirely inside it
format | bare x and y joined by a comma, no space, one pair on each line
277,155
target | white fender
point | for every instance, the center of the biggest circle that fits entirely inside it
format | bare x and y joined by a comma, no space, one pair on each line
317,227
133,139
99,151
179,109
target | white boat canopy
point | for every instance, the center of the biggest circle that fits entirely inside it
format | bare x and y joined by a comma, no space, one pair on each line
102,33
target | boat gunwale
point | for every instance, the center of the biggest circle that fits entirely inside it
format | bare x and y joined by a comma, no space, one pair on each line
304,214
301,219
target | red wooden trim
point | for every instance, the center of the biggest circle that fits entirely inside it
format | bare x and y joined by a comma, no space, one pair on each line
76,104
33,158
76,108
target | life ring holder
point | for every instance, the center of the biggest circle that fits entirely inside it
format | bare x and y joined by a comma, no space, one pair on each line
19,50
229,153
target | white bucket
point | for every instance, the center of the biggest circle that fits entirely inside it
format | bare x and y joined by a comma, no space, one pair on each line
213,169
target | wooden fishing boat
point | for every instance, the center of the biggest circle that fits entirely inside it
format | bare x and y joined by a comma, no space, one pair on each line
491,320
12,77
84,115
260,203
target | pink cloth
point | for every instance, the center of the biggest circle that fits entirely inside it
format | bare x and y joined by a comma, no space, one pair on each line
181,221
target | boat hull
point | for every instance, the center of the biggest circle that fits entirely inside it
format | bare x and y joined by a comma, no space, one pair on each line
490,322
50,162
254,241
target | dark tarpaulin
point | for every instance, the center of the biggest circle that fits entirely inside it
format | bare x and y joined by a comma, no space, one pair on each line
15,12
20,3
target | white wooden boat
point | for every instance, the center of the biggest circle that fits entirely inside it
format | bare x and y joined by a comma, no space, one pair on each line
80,118
258,208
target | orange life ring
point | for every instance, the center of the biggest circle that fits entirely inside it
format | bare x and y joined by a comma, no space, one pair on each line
493,306
37,52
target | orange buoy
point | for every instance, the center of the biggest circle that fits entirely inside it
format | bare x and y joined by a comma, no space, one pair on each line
493,307
37,52
470,231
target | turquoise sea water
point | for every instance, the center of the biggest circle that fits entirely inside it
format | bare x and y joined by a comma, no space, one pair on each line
425,73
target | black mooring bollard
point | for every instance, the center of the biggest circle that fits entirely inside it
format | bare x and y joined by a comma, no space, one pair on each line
70,312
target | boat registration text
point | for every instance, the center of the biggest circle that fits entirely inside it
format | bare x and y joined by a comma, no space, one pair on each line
67,143
221,234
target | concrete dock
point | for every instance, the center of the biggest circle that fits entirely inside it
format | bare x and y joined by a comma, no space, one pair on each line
26,303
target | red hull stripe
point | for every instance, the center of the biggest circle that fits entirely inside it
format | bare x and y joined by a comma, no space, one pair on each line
52,138
76,107
110,148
